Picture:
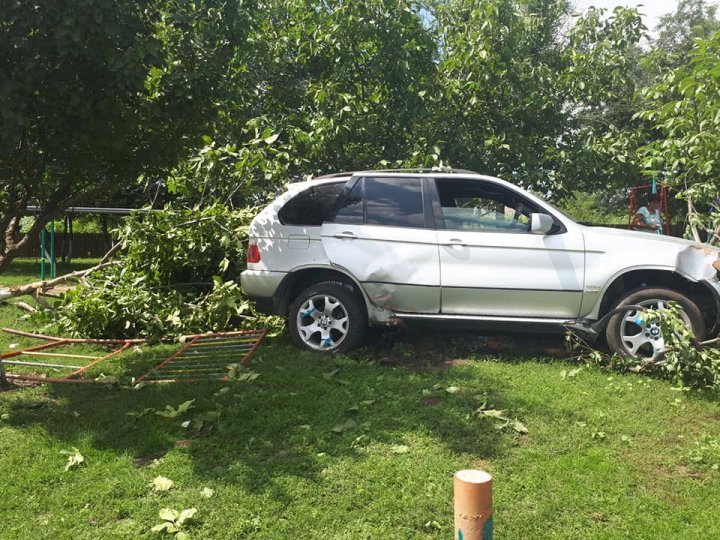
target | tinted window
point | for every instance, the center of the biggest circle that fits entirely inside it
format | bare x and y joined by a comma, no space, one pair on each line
483,206
311,206
394,201
351,211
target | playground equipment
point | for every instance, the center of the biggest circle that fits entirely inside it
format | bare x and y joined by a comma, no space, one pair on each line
655,187
47,238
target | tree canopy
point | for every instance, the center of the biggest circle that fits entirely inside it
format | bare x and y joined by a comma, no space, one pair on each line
96,92
224,100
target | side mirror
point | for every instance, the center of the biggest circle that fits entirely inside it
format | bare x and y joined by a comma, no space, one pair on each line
540,223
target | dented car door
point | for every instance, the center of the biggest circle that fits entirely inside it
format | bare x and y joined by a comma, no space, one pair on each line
381,236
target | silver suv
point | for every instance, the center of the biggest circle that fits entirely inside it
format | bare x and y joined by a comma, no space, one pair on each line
345,251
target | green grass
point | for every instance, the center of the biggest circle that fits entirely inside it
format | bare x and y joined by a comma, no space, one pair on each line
309,449
26,270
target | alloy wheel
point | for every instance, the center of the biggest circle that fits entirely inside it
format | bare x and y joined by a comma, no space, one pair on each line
322,322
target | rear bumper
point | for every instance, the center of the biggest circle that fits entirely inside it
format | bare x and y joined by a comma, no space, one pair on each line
259,284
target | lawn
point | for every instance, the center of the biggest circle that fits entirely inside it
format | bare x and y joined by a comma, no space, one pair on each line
361,446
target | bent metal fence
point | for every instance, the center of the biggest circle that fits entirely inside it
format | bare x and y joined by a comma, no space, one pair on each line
201,356
56,348
206,356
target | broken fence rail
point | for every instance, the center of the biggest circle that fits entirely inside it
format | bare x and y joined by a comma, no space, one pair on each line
201,356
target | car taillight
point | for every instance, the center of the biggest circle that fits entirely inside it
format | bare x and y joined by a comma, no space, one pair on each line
253,252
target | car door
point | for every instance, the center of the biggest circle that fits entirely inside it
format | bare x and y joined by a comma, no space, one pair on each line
381,235
492,265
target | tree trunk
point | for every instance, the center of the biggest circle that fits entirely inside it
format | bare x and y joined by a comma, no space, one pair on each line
12,248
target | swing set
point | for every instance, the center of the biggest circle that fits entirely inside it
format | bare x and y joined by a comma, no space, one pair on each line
655,188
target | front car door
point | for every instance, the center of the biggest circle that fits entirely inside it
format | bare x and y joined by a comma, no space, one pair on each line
382,235
492,265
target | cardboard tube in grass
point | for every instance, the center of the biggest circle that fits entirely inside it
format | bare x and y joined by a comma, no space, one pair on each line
473,505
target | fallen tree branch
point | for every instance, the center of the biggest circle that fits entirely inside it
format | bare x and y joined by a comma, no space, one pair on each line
38,287
25,306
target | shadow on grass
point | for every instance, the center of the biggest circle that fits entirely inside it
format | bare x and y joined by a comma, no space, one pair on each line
301,408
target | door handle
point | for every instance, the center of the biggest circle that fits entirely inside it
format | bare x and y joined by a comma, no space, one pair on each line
456,242
345,234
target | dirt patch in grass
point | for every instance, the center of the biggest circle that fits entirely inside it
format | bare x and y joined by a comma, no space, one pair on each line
421,349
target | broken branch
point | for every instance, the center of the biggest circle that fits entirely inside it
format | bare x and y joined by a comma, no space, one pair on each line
37,287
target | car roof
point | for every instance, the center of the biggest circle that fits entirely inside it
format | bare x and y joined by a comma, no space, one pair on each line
399,172
403,173
392,173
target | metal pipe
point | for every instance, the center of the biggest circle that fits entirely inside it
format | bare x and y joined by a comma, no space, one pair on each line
73,340
60,355
41,364
35,348
83,369
53,267
42,253
169,359
93,210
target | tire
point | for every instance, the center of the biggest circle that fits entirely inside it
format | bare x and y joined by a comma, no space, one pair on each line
630,336
328,317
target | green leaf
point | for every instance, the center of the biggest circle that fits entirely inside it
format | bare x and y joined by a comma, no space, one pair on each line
452,389
166,526
494,413
399,449
206,493
185,515
160,483
272,138
170,412
168,514
75,458
340,428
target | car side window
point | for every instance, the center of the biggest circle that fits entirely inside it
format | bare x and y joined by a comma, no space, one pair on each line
351,209
395,202
392,202
475,205
311,206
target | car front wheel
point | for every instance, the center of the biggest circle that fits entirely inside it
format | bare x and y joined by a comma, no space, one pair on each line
630,334
328,317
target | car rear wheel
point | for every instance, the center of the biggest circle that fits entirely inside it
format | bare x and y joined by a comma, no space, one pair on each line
629,333
328,317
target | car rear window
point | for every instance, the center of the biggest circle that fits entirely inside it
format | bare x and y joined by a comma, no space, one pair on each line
311,206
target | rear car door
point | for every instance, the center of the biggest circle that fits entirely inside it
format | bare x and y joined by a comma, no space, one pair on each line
492,265
382,235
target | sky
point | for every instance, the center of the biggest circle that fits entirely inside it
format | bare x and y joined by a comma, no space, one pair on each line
652,9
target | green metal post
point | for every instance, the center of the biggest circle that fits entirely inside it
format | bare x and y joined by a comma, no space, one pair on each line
52,250
42,253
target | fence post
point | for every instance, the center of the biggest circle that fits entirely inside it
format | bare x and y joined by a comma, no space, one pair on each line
42,253
53,268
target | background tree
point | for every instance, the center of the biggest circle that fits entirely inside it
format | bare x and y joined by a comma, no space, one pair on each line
684,109
96,92
677,31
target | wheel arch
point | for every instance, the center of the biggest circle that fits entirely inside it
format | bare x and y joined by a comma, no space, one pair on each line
300,278
700,293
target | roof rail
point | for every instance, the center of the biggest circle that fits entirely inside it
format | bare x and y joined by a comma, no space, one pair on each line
409,170
333,175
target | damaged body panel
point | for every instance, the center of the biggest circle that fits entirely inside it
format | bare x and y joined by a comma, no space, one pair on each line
399,269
